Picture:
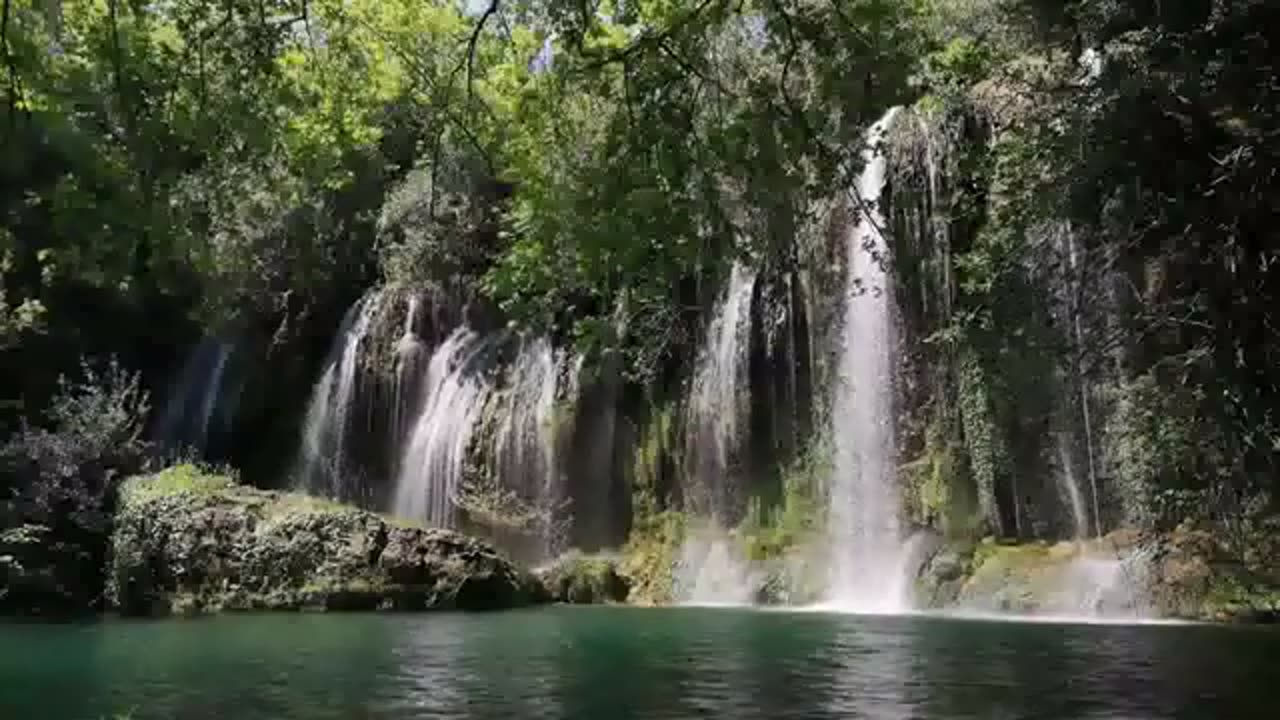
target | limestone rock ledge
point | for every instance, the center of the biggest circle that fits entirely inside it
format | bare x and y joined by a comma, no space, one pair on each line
185,542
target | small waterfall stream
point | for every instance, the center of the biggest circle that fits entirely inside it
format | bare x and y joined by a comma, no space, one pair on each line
716,400
323,466
1069,486
411,352
194,398
865,539
709,570
524,444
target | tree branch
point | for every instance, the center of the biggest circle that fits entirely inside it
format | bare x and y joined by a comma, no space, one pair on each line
650,39
8,61
475,38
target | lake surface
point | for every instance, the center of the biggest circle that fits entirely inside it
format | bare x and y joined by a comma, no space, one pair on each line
615,663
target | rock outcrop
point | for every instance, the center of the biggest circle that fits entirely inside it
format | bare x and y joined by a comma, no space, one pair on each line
579,579
186,542
1183,574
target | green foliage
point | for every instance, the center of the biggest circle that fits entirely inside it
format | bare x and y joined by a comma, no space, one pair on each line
1153,436
982,439
649,557
770,532
646,166
939,490
659,445
60,482
582,579
958,65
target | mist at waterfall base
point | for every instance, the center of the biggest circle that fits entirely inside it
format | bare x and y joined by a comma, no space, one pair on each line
610,662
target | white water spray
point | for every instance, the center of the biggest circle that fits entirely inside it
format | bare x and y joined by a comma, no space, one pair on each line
712,571
866,543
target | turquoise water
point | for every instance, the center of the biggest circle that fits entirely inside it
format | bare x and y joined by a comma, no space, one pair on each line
616,663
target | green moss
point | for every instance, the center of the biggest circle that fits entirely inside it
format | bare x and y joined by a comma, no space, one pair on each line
186,478
584,579
992,556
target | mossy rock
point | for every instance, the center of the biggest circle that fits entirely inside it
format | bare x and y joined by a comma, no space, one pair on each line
186,542
580,579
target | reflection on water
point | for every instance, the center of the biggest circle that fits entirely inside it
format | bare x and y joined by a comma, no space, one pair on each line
619,663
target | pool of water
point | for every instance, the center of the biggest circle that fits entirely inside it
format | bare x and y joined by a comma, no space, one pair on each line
615,663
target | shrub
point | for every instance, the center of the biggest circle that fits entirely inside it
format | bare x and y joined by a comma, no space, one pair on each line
60,482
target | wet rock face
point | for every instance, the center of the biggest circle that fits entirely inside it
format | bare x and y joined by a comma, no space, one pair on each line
213,545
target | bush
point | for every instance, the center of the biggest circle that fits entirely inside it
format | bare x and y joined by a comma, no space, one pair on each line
650,555
59,484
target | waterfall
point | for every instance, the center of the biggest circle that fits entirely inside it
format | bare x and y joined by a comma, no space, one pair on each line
866,542
715,403
194,397
434,460
323,466
489,435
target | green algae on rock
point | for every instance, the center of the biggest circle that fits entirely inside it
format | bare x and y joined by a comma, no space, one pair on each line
186,542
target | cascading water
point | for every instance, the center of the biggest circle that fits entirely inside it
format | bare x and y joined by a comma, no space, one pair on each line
525,443
410,354
432,467
709,571
865,539
194,398
516,454
322,467
715,402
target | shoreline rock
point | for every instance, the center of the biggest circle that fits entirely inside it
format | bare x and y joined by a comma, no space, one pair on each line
1178,575
576,578
188,543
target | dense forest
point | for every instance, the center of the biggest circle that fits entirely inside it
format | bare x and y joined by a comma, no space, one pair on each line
251,234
